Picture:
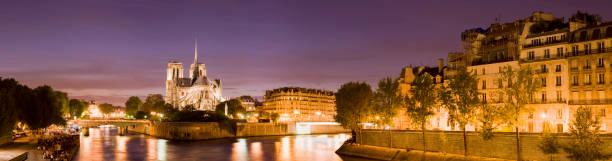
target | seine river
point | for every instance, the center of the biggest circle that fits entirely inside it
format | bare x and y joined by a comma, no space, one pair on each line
104,144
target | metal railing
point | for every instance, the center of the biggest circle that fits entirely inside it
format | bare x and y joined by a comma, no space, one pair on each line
545,43
590,102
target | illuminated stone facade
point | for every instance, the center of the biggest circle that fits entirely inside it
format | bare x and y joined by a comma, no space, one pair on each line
301,104
197,89
573,65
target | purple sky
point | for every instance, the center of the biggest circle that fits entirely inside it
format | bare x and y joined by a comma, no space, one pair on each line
108,51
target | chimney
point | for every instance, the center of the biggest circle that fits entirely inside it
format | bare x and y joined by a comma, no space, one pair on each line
440,65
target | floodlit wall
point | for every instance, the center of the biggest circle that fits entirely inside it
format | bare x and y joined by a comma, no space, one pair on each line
502,145
213,130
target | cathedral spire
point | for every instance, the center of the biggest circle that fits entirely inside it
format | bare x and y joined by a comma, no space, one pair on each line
196,66
195,59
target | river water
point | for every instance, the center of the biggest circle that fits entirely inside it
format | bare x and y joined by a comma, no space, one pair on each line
105,144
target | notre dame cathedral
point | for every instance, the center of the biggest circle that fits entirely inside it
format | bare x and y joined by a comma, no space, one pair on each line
197,89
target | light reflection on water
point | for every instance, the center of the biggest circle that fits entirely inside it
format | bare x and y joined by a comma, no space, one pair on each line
104,144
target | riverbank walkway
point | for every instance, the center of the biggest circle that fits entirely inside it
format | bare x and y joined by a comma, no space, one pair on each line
20,146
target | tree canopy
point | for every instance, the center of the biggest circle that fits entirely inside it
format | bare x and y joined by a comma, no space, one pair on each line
518,91
77,107
234,107
9,104
353,104
386,101
106,108
155,103
132,105
586,144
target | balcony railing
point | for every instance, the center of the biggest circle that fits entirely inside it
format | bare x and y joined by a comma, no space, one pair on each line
536,58
592,101
592,51
539,101
545,43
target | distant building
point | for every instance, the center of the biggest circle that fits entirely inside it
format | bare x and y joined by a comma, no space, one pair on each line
301,104
249,103
402,121
197,89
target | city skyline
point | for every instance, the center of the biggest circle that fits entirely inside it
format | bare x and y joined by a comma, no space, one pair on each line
108,51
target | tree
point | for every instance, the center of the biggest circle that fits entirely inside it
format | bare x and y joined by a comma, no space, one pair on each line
586,144
549,144
106,108
62,102
587,18
77,107
274,117
132,105
8,105
461,100
387,102
43,109
154,102
519,89
421,101
353,105
234,108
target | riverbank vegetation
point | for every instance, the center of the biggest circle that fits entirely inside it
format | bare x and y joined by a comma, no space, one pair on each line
36,108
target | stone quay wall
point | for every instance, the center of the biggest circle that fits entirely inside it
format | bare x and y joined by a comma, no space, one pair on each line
261,129
6,140
502,145
208,130
328,129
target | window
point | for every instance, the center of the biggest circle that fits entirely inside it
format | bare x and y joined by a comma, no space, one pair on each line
531,55
602,79
575,50
601,47
543,68
600,63
587,48
484,84
544,82
558,68
543,96
547,53
550,39
499,84
558,81
575,81
559,96
602,113
483,71
587,79
583,36
484,97
587,64
596,34
536,41
559,52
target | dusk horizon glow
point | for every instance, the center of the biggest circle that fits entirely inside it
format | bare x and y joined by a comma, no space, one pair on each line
108,51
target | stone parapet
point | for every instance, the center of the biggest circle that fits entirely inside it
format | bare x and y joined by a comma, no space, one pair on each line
502,145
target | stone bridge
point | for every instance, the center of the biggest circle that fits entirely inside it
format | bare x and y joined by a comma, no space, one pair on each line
122,125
